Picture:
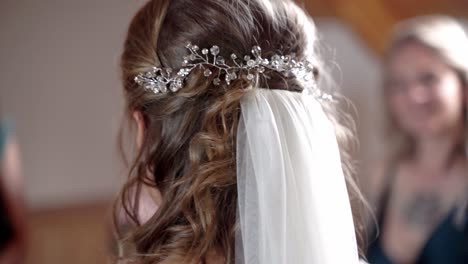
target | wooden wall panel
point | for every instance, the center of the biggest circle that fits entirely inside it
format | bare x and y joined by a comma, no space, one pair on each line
373,20
70,235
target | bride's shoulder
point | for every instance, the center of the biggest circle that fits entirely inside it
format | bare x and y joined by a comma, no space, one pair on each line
149,201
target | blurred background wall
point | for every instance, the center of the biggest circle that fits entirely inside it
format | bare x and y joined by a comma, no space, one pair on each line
59,83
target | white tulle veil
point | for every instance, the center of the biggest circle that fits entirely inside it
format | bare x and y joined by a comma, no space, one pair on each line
293,205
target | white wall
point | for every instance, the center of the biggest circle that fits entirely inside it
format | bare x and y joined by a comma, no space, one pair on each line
59,82
357,72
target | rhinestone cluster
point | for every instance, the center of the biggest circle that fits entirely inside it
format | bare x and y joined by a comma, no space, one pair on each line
162,80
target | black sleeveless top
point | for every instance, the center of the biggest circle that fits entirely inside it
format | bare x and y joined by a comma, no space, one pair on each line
448,244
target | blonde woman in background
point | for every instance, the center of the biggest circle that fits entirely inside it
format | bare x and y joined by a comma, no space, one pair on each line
421,192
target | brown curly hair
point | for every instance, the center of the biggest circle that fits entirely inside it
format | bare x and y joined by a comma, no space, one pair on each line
188,150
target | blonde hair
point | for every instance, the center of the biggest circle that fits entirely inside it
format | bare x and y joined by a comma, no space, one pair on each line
448,40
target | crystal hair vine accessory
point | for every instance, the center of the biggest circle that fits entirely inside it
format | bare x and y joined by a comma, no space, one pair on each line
162,80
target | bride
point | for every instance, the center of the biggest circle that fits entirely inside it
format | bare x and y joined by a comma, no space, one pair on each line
237,143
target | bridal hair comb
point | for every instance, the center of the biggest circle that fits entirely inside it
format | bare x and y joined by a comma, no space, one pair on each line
162,80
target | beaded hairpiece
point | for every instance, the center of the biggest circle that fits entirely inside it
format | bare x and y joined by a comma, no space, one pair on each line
162,80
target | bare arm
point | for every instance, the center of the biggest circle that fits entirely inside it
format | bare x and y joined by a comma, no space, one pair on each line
12,191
